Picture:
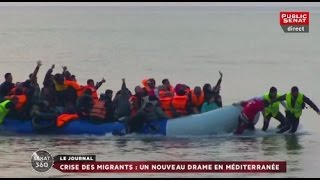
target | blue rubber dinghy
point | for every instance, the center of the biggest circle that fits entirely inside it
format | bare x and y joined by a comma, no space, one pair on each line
223,120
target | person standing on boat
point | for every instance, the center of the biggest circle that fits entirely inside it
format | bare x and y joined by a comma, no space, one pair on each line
296,103
272,111
247,115
121,102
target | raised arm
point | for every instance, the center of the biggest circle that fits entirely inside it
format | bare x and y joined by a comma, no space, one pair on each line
48,75
217,87
100,83
33,77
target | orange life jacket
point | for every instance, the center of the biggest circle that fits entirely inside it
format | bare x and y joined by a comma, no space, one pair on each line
99,110
75,86
94,94
22,100
179,103
196,100
64,118
165,98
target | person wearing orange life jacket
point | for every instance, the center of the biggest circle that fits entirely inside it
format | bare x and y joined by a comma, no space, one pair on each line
21,99
94,88
170,88
180,104
98,112
150,85
197,99
165,98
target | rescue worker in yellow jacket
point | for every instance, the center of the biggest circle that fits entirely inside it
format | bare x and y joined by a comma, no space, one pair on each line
296,103
272,111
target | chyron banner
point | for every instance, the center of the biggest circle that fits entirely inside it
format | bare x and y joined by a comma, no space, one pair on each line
295,22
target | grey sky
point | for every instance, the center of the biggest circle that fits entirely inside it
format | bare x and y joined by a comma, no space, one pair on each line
289,4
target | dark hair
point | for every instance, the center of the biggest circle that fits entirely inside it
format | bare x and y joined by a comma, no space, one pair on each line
73,76
153,81
273,90
90,81
294,89
181,92
206,87
7,75
59,78
108,91
164,81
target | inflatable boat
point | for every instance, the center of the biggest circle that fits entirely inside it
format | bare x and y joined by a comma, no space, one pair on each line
222,120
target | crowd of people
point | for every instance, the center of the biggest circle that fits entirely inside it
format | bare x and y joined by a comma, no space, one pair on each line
62,99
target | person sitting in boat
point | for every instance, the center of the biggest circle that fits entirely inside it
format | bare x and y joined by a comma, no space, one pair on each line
6,86
138,95
143,117
5,107
94,88
84,104
109,105
43,111
180,105
165,99
246,119
121,102
98,112
209,105
196,99
19,110
170,88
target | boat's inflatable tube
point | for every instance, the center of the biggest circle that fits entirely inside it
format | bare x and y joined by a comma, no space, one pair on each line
223,120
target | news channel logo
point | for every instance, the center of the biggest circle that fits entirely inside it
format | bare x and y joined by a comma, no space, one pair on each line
41,160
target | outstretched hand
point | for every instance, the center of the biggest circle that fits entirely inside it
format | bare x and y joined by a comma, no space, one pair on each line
123,80
39,63
52,67
103,80
220,73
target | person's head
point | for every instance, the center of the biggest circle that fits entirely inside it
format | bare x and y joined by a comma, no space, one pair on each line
206,87
109,93
88,92
266,103
197,90
73,78
181,92
67,75
273,92
8,77
138,90
151,83
19,91
59,78
90,82
166,82
294,91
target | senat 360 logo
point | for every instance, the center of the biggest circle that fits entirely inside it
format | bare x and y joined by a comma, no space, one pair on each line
295,22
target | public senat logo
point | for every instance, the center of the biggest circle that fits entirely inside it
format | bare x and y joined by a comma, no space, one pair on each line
295,22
